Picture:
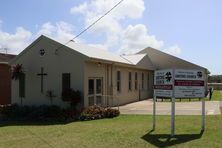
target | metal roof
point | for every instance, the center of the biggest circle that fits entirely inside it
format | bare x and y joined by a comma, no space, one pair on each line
103,54
163,60
97,53
134,58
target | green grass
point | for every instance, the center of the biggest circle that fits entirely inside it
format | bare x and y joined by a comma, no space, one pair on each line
123,131
217,96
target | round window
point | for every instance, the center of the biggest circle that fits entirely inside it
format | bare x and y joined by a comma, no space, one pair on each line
42,52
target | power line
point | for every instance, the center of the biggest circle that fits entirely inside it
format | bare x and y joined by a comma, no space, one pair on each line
91,25
97,20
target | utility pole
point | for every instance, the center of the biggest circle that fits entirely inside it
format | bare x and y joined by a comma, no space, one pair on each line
5,49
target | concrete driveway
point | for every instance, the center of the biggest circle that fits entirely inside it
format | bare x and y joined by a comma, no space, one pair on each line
164,108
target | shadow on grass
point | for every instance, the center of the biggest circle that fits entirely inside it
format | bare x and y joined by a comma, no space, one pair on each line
164,140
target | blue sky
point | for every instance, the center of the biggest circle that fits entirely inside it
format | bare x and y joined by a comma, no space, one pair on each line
189,29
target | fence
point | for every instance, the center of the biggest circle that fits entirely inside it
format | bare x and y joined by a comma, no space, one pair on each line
216,86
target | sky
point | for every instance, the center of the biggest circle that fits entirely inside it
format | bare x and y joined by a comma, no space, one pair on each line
188,29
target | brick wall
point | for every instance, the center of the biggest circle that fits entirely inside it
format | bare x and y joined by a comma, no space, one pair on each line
5,84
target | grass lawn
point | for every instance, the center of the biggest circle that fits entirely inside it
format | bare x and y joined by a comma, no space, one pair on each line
217,96
123,131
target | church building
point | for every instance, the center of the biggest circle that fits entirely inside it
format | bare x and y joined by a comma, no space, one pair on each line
102,77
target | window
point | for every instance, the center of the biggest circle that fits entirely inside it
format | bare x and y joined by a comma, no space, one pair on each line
142,80
118,81
130,81
22,86
148,81
91,86
65,81
98,86
136,81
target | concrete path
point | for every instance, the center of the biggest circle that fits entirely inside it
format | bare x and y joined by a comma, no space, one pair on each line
164,108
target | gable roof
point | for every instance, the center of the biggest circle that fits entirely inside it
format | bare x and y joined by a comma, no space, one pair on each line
149,58
163,60
96,53
90,52
140,60
134,58
6,57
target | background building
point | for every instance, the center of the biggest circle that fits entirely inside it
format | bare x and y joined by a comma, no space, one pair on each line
5,78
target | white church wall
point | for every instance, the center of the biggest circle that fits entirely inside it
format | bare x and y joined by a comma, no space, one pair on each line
125,95
100,70
54,65
93,70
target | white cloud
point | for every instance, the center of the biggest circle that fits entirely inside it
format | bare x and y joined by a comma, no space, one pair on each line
119,36
136,38
62,31
15,42
174,50
128,8
99,46
129,39
80,9
1,23
110,24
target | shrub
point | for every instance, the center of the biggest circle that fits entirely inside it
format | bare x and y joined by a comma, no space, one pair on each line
46,113
110,113
97,112
32,113
72,113
14,111
71,96
92,112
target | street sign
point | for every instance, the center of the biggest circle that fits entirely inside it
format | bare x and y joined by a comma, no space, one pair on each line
178,83
163,83
189,84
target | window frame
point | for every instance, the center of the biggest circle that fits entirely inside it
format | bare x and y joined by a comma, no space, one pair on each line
118,81
63,81
148,80
142,80
136,81
130,81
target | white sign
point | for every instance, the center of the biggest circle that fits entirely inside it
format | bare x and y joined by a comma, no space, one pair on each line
163,83
179,83
189,84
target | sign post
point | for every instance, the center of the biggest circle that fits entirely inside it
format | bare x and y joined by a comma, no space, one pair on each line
203,115
154,113
179,83
163,87
173,117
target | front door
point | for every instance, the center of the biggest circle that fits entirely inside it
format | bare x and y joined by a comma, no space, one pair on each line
95,91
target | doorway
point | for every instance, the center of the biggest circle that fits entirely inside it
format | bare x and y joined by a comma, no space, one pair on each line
95,91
